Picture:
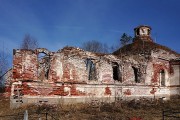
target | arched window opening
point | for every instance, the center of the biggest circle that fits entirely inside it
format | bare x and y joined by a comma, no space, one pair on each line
149,31
136,74
162,77
43,66
116,72
137,32
40,56
91,68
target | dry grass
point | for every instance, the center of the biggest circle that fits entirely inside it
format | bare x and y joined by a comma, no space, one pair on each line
121,110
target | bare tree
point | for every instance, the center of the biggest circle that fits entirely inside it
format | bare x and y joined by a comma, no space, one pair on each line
95,46
114,48
3,66
29,42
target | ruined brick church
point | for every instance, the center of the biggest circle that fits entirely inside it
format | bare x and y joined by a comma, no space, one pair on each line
71,75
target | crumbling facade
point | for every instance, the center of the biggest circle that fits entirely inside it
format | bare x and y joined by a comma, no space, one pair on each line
140,69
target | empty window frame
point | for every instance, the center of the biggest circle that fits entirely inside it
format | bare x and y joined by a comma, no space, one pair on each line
137,32
149,31
43,66
136,74
91,68
162,77
116,72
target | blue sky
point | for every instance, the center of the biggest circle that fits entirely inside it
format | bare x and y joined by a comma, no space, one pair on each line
57,23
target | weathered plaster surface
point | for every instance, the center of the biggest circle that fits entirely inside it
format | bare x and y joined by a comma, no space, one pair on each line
73,73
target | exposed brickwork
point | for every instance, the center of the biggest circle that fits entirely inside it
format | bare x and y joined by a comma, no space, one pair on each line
25,65
157,68
127,92
27,90
153,91
59,91
107,91
66,72
75,92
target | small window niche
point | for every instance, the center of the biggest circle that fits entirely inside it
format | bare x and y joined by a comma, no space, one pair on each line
136,79
149,31
162,77
91,68
116,72
137,32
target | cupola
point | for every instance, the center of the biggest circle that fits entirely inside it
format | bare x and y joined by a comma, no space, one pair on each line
142,33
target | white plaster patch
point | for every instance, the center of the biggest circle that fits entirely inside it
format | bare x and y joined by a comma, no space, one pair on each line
58,68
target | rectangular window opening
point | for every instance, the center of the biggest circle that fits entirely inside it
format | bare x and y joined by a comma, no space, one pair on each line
91,68
116,72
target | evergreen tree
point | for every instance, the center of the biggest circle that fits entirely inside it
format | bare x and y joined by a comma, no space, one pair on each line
125,39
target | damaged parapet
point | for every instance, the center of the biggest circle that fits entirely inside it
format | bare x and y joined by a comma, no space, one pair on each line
31,64
140,69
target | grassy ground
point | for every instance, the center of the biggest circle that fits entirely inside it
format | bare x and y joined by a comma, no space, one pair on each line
120,110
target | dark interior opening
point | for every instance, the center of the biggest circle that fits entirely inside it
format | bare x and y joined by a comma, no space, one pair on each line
91,67
162,77
148,31
136,74
116,72
137,32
